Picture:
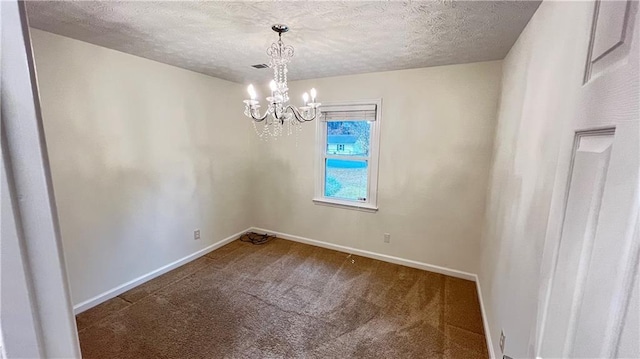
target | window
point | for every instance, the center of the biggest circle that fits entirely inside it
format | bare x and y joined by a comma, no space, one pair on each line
347,149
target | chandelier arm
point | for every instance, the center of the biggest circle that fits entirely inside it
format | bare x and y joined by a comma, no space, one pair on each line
296,113
258,119
299,116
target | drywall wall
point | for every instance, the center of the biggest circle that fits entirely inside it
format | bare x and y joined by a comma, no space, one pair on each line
142,154
541,77
435,150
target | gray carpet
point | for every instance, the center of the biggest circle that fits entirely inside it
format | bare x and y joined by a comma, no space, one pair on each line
288,300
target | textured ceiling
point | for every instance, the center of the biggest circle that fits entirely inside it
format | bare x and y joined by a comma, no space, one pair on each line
223,39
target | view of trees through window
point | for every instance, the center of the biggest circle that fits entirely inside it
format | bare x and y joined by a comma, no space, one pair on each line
347,178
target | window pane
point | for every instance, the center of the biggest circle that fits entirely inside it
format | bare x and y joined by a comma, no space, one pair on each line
348,138
346,179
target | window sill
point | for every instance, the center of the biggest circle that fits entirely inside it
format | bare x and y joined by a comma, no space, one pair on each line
346,205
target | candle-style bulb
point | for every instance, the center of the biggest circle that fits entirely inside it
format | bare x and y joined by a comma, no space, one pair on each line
305,97
313,95
273,85
252,92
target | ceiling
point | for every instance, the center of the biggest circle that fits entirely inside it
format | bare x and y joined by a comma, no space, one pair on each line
331,38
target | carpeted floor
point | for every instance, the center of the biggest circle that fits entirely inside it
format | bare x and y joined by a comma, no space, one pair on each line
288,300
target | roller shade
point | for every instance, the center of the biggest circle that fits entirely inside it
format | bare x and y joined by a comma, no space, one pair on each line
349,113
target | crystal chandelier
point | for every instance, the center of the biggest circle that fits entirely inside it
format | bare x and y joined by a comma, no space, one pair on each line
280,117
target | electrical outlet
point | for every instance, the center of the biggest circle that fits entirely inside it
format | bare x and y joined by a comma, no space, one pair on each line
387,238
502,339
196,234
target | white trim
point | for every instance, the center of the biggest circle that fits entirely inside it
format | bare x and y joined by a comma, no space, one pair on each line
383,257
353,106
112,293
485,320
365,207
335,104
371,203
37,317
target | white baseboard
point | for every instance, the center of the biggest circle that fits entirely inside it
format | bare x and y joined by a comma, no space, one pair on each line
81,307
485,321
368,254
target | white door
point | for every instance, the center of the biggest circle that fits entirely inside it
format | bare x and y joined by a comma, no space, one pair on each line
591,305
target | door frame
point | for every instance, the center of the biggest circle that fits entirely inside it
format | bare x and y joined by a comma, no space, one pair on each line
36,299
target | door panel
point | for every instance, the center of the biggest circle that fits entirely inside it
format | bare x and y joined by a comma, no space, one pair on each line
612,251
590,166
609,27
591,307
611,36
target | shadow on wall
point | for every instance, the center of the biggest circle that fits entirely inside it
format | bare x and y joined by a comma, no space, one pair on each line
280,183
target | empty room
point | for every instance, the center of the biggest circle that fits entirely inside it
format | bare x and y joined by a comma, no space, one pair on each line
320,179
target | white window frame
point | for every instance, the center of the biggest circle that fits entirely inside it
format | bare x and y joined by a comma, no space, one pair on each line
371,203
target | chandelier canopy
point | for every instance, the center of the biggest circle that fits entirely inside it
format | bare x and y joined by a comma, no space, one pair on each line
280,116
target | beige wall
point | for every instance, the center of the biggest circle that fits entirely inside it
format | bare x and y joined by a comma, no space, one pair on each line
435,150
142,154
542,75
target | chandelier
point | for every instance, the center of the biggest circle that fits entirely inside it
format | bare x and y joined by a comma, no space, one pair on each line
280,117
